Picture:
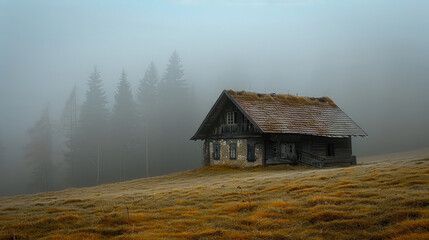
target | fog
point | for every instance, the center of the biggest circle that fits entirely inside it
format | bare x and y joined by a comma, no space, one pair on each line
370,57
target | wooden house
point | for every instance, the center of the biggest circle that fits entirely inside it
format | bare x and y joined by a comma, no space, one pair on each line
246,129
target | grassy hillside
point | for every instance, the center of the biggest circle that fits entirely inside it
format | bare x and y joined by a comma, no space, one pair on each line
377,200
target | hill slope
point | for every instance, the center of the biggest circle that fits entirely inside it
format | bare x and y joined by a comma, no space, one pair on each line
376,200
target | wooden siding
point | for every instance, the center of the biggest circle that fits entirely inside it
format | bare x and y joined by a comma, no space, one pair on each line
342,150
238,130
311,144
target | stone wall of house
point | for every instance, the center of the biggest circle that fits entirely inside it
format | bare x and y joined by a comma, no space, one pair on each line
241,155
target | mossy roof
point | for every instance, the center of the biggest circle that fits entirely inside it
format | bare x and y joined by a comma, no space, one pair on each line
286,114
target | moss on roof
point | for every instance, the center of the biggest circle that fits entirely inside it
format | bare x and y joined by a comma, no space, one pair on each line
288,99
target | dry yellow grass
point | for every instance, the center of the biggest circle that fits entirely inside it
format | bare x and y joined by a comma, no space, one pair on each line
381,200
281,204
68,217
73,200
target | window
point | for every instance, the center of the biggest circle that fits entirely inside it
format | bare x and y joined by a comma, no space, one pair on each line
283,150
216,151
287,151
330,150
250,153
231,118
233,151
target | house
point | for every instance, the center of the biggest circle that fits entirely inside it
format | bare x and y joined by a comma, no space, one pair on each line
247,129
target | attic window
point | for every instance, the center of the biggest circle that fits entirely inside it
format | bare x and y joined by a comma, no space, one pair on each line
231,118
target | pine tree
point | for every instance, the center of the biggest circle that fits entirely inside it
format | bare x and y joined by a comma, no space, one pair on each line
173,83
175,108
69,124
173,91
39,151
91,149
123,130
148,93
147,99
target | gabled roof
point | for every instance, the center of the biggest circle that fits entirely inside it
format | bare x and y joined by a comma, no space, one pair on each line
284,113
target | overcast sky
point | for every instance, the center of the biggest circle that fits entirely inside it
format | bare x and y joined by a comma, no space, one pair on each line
370,57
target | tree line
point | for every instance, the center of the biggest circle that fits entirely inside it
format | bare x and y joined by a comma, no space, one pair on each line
143,135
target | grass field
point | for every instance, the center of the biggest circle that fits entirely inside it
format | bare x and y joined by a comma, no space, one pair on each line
377,200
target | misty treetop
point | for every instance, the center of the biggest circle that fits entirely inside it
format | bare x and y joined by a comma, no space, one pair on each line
94,110
124,115
173,86
147,94
173,76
